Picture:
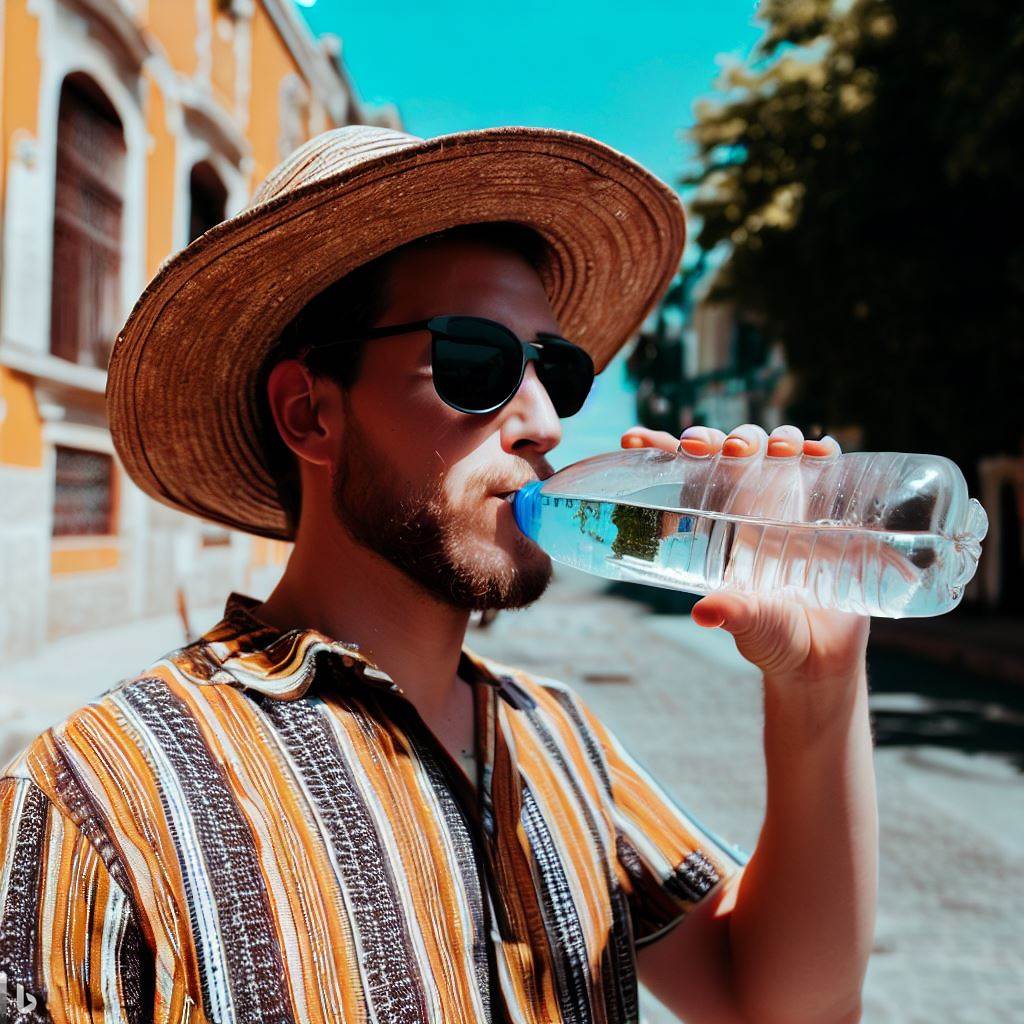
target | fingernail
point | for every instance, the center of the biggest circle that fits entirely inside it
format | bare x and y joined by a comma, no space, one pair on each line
718,621
694,446
735,446
633,441
781,448
817,448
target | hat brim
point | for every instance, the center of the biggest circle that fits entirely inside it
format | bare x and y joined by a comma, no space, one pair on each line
182,380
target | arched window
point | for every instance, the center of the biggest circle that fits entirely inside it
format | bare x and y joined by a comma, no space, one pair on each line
207,199
86,303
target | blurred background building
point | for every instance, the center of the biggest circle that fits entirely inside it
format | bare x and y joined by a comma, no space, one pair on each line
705,361
129,128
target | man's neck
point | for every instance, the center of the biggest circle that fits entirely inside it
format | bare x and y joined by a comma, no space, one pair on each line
350,594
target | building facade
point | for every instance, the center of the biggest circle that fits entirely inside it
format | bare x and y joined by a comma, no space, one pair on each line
702,360
129,127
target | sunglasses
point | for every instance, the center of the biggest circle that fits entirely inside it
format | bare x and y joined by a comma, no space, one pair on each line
478,365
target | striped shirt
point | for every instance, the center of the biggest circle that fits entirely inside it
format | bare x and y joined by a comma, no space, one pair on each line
261,828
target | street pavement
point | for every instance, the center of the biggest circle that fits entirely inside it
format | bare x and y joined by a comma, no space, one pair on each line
948,944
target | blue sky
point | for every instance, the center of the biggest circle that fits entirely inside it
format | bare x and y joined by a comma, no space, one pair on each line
626,73
628,79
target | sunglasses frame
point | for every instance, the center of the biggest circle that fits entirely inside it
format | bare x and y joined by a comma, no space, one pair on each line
438,326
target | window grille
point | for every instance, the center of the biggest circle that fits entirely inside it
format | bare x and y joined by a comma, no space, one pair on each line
83,504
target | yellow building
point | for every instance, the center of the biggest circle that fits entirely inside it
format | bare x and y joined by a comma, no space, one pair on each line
129,127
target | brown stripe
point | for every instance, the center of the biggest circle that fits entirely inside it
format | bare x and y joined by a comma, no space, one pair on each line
256,973
393,989
618,965
83,812
19,925
135,969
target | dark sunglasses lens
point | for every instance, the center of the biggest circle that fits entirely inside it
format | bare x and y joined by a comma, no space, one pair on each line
567,373
476,367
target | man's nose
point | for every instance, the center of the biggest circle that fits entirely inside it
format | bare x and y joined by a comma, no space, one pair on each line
530,421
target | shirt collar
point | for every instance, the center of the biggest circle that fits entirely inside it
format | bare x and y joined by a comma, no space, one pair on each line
282,664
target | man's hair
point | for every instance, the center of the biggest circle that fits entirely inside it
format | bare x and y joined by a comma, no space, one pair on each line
344,309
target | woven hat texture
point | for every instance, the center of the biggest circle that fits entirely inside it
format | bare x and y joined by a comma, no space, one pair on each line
182,383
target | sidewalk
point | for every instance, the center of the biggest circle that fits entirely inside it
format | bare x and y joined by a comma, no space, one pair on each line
36,692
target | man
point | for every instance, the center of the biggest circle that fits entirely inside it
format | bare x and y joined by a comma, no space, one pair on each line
327,809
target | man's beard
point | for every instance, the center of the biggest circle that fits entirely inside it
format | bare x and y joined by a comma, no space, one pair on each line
428,538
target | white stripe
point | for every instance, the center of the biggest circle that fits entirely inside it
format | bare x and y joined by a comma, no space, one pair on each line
193,867
322,830
592,878
383,827
138,866
429,796
87,900
704,838
597,814
657,862
47,913
514,1011
314,921
255,811
115,919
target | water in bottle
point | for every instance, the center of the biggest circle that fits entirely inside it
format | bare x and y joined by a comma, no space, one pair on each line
878,533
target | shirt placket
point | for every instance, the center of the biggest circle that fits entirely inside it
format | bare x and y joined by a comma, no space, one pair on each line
476,806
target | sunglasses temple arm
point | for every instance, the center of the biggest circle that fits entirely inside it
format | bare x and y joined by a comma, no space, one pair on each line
376,332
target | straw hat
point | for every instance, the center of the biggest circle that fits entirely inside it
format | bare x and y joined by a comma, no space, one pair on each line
182,382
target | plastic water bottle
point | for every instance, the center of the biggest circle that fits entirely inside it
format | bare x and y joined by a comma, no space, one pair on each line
879,533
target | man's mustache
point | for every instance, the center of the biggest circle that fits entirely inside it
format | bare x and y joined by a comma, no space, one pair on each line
519,474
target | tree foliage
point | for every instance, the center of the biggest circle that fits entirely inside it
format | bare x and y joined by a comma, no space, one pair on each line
864,168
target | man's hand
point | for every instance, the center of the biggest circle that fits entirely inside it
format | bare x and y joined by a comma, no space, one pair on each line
785,640
788,940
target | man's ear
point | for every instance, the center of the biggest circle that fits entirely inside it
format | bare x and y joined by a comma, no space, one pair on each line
307,411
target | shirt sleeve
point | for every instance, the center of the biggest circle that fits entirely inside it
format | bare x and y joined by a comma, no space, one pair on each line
70,945
667,860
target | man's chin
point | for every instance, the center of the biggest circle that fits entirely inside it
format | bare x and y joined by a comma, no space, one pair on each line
529,588
508,582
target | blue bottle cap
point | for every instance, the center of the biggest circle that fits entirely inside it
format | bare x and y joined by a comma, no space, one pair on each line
526,506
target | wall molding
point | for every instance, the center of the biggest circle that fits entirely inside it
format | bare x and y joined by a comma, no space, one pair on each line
45,366
134,42
330,86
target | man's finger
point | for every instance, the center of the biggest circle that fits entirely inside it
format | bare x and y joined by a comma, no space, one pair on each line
701,441
731,611
746,440
642,437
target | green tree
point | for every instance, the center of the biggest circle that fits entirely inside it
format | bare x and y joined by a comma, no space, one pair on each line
863,168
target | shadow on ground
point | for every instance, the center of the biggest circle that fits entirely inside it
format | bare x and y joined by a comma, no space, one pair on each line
915,701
